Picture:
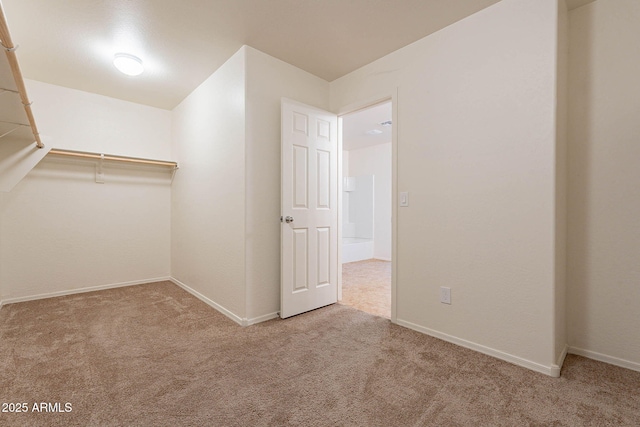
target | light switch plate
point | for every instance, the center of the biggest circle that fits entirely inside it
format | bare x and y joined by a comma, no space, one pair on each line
445,295
404,199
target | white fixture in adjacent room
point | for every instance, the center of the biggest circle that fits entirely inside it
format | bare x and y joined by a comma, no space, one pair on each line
357,218
128,64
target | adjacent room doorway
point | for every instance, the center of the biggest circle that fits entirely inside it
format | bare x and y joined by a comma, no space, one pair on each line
366,212
337,240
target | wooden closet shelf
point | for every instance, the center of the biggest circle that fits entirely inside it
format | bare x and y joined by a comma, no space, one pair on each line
112,157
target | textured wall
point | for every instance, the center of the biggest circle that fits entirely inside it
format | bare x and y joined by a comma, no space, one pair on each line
476,151
604,190
268,80
61,231
207,197
562,119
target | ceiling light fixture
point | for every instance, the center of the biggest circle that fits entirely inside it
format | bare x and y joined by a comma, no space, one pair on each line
373,132
128,64
387,123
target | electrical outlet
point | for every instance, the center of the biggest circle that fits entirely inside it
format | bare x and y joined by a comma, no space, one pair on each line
445,295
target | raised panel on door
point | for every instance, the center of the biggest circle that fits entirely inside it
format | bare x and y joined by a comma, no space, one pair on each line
300,177
323,242
300,123
323,128
323,168
301,260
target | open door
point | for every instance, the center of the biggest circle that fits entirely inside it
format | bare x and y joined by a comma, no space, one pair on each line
309,229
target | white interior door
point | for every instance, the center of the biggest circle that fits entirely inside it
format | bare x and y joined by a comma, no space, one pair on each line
309,236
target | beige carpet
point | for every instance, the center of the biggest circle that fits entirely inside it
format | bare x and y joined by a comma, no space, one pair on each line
153,355
366,285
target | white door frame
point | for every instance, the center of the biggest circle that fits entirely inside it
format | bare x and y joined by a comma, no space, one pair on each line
352,108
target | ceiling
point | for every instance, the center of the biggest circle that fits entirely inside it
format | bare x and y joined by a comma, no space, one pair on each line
72,42
357,127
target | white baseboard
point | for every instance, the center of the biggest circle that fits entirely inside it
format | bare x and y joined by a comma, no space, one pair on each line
82,290
634,366
547,370
555,369
262,318
239,320
242,321
382,259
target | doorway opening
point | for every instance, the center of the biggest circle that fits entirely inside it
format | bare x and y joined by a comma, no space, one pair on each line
366,216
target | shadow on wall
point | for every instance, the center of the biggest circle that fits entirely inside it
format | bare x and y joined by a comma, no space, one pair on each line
603,197
579,152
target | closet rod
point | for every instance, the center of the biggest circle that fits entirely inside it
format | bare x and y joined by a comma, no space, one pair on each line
10,50
111,157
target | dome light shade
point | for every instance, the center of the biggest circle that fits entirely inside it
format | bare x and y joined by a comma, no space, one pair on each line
128,64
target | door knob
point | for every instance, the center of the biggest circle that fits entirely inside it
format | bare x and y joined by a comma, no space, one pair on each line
288,219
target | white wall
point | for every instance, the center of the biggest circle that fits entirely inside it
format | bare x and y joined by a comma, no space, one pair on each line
376,160
77,120
562,113
226,201
345,163
604,190
62,232
476,151
268,80
344,210
208,192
